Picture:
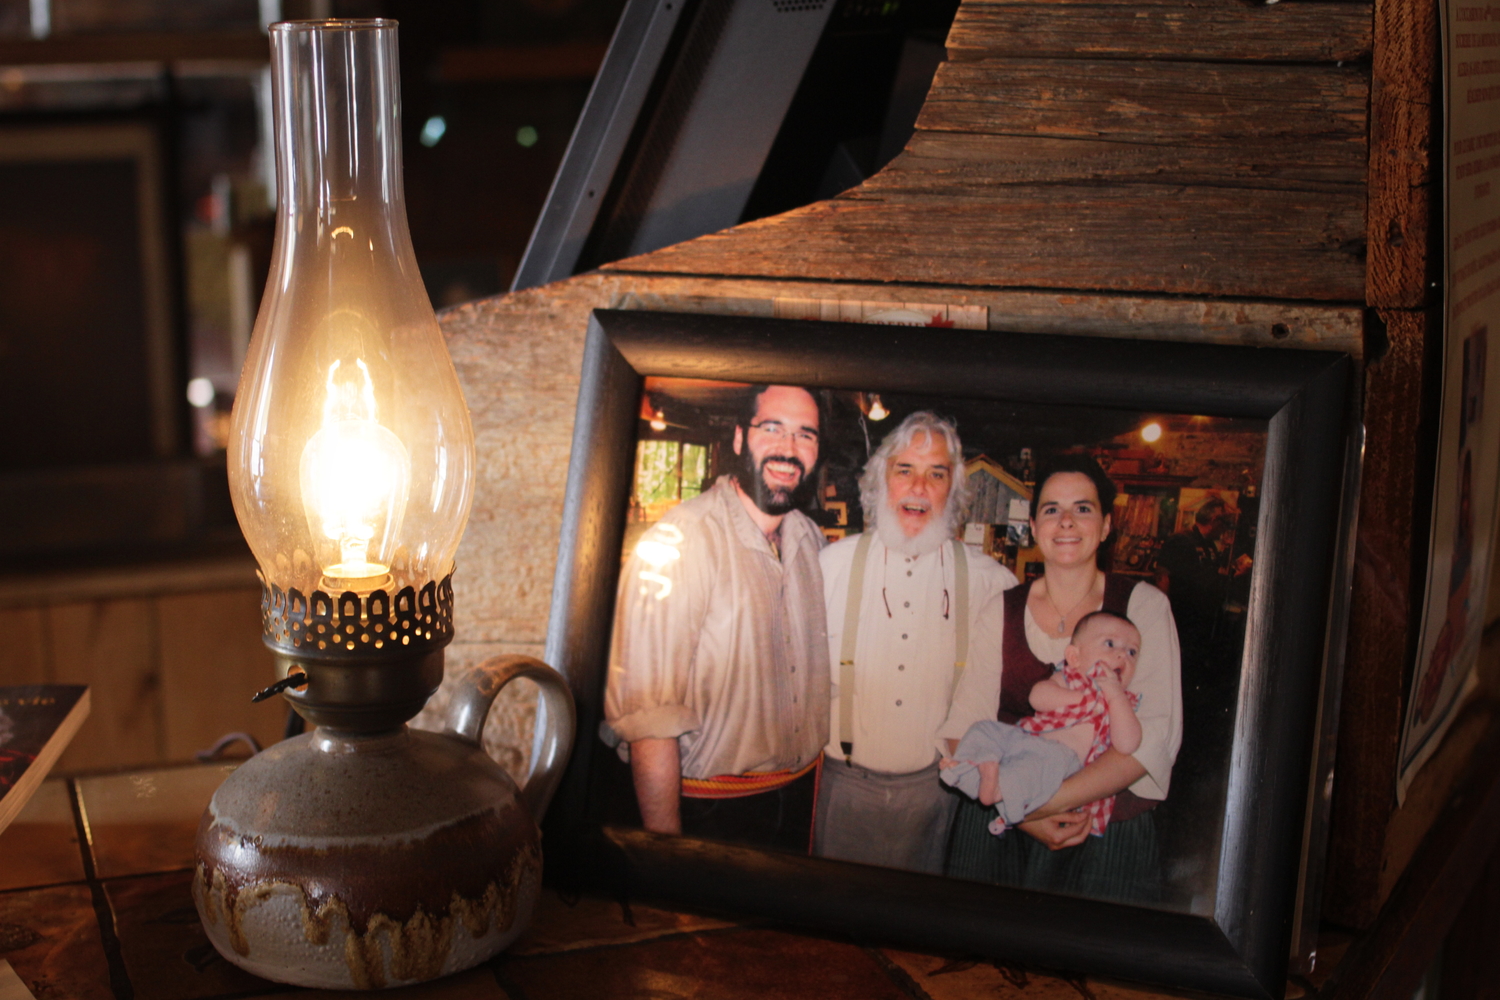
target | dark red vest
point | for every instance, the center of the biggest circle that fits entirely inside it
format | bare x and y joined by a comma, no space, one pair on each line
1022,670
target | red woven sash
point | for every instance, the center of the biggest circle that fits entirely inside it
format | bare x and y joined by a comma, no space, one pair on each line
737,786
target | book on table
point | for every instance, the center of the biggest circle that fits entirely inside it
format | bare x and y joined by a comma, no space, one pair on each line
37,721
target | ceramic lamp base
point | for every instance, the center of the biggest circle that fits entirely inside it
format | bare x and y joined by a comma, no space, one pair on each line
369,859
337,861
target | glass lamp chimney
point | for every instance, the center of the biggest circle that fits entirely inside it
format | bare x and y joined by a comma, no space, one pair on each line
351,453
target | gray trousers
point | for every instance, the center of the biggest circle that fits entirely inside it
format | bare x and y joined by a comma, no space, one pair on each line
875,818
1032,767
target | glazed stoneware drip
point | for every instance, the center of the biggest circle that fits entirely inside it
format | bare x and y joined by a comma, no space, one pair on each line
348,860
378,949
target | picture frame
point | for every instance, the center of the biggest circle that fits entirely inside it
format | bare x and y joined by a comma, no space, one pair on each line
1240,944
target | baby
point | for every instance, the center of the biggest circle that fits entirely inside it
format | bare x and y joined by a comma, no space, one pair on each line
1081,711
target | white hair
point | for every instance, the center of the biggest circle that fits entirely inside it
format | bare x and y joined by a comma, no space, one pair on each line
872,488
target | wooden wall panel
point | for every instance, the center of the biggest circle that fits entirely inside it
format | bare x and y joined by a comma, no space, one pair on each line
212,661
970,165
1198,105
1372,840
111,646
1169,29
23,654
1383,605
1139,238
1401,165
171,652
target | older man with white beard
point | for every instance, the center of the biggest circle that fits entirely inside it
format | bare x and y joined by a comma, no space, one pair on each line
922,607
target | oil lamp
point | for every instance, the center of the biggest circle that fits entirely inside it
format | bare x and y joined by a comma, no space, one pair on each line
362,853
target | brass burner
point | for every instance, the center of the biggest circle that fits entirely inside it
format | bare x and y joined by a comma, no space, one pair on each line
357,626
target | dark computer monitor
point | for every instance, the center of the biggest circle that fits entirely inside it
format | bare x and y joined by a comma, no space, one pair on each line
706,113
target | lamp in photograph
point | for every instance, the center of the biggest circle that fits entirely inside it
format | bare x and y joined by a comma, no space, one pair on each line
870,405
364,853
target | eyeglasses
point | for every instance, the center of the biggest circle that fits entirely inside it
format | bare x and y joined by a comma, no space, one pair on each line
775,429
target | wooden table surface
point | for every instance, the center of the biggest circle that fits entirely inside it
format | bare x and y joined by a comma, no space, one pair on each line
95,904
108,915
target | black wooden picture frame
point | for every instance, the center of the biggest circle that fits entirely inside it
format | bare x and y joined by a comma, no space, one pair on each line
1304,395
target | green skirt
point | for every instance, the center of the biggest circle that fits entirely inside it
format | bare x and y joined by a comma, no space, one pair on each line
1124,865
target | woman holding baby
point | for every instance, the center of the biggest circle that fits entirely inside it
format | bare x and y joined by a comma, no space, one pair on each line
1060,847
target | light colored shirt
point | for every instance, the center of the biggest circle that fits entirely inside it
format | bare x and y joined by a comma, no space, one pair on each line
720,643
1158,681
904,656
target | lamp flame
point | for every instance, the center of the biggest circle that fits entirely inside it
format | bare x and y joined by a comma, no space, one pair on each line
355,474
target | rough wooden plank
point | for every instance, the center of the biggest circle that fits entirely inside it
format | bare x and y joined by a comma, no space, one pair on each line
53,943
732,964
212,661
1213,106
1402,120
574,923
166,952
476,984
1136,238
1167,29
966,165
41,846
110,645
942,978
1253,324
1381,615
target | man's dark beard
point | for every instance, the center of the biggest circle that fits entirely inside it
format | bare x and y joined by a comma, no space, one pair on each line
752,479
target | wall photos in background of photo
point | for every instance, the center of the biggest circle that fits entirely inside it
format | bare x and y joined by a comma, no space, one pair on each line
1226,467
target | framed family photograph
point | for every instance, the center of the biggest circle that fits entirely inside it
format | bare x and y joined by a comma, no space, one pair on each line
1009,645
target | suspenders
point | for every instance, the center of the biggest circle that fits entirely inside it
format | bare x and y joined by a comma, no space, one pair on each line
846,650
851,631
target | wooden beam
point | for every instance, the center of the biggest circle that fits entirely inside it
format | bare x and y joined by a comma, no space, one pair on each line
1382,611
1166,29
1203,106
1402,110
1137,238
969,165
1113,175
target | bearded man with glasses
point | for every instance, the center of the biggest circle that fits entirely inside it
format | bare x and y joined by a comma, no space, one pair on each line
718,688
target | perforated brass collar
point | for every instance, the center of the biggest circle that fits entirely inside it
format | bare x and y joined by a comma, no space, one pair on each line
358,627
